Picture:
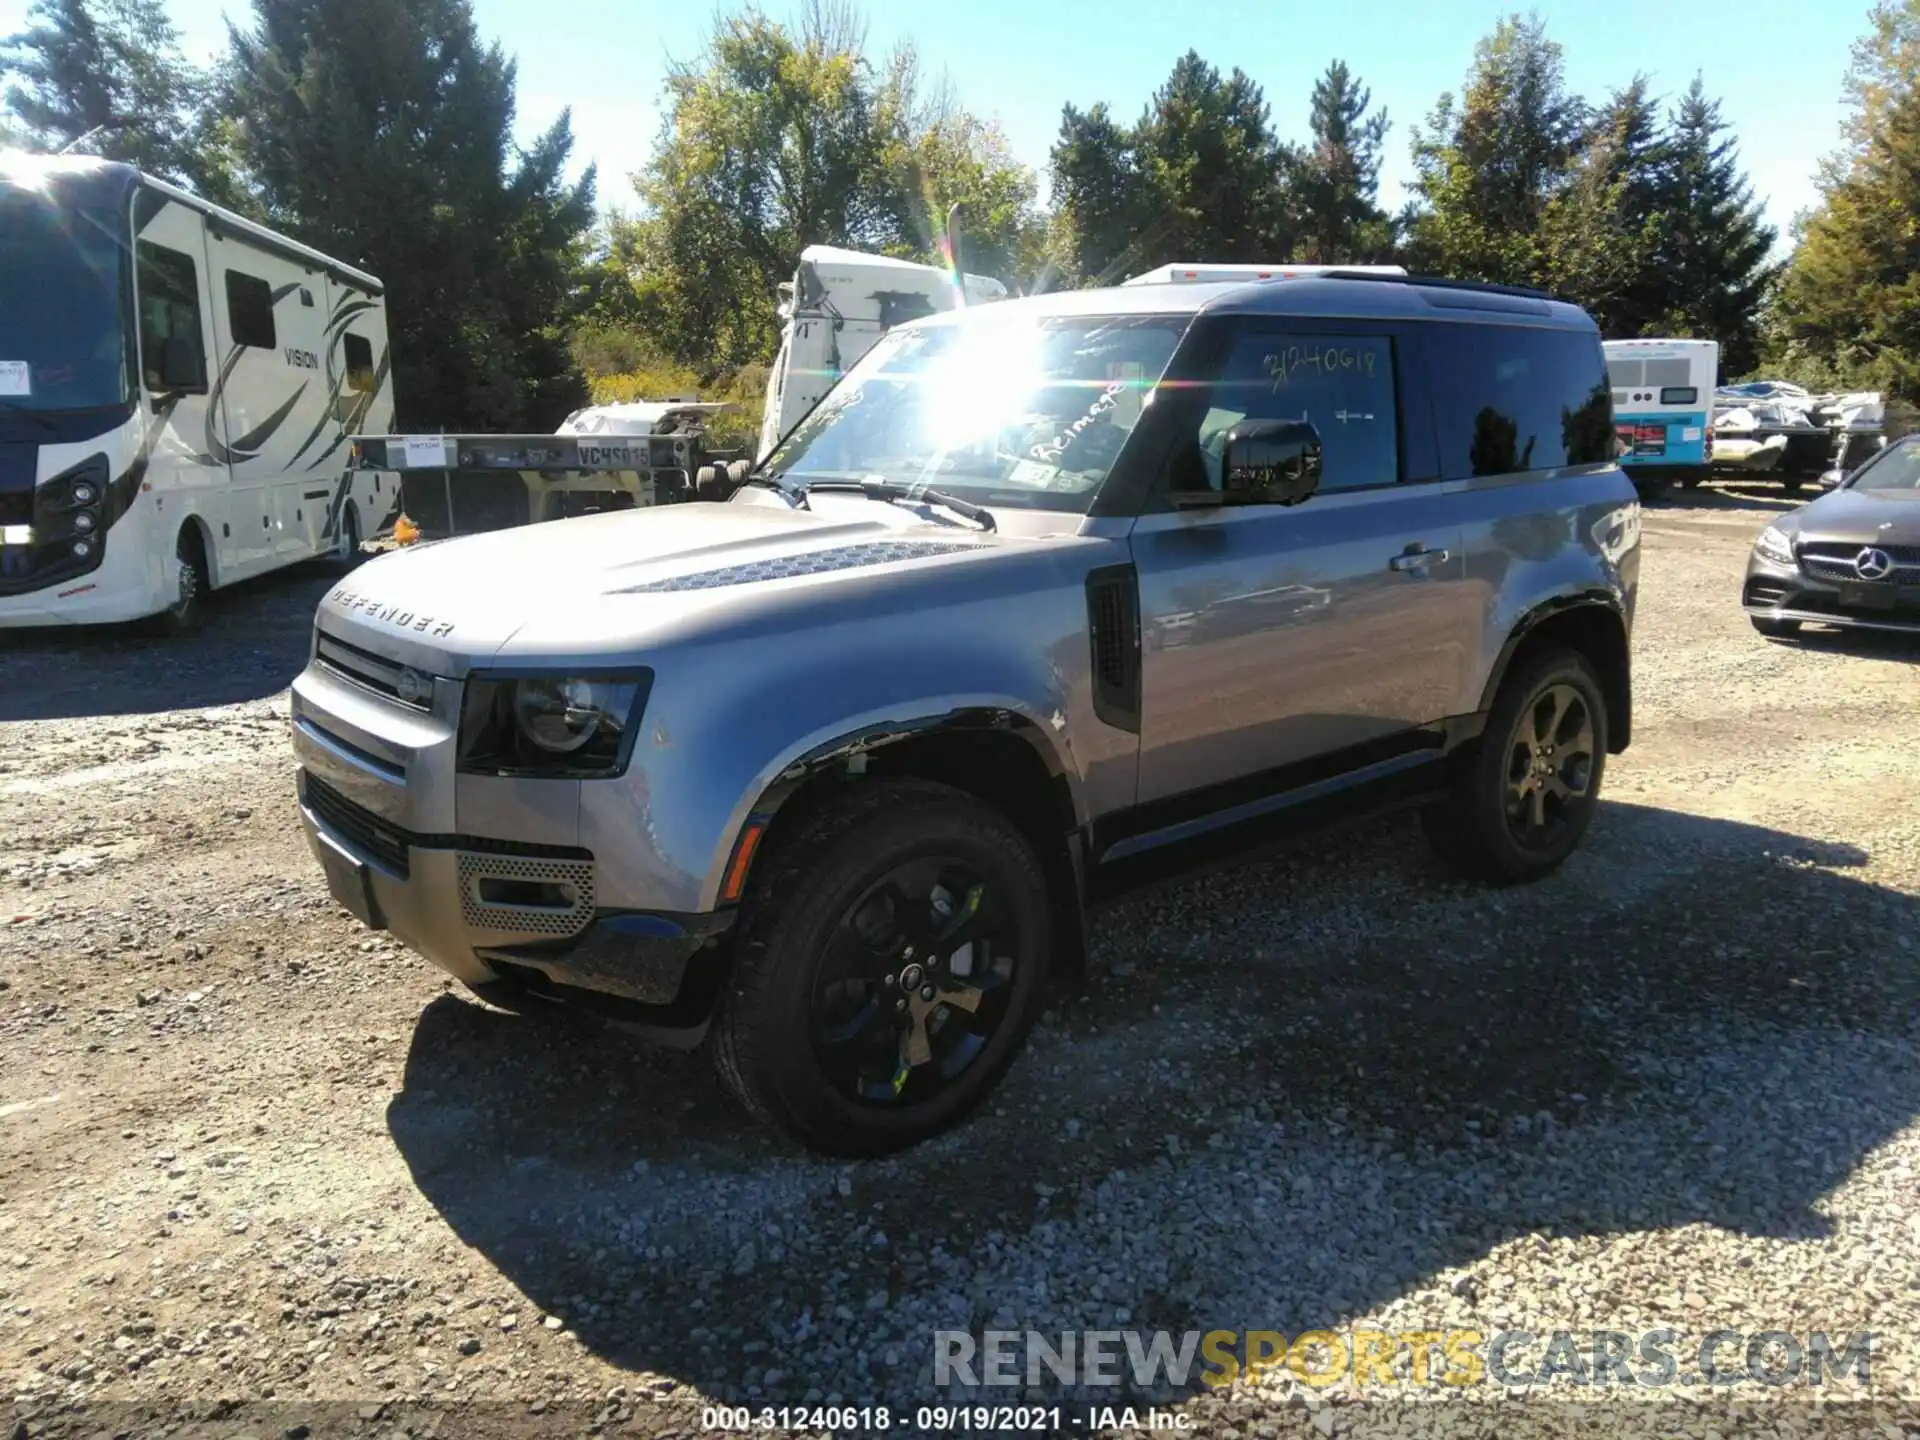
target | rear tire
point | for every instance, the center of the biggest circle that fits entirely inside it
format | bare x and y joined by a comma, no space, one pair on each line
816,1035
1523,797
185,614
1776,629
1791,484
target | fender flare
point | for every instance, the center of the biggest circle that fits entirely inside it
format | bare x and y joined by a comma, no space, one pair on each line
775,789
1531,620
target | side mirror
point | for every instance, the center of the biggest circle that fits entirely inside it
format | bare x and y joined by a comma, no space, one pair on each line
180,364
1270,462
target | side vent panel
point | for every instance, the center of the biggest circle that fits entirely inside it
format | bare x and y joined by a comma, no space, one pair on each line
1113,622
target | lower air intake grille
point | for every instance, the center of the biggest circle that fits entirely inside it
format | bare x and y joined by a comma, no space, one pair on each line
509,893
379,839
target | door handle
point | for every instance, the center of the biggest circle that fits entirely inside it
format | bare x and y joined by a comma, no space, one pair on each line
1417,557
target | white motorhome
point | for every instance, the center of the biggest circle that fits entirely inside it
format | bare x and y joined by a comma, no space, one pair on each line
837,305
177,390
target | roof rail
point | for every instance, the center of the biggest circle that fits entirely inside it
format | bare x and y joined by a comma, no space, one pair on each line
1485,287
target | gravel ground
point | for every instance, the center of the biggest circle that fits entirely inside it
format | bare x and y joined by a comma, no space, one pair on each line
264,1173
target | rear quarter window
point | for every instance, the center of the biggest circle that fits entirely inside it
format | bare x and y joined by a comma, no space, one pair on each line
1510,398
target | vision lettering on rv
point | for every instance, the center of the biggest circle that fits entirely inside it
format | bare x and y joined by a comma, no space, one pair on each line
393,615
305,359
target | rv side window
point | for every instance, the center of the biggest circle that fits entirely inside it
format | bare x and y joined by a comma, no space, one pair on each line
250,310
359,352
169,312
1511,398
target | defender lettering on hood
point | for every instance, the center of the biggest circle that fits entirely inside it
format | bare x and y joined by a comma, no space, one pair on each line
394,615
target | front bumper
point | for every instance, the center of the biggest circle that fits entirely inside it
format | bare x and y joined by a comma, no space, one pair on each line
524,908
1773,591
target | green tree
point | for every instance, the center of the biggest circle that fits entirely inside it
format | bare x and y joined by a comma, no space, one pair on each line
1099,202
1200,176
1489,165
1715,245
108,69
1850,300
382,134
1215,173
769,144
1337,179
1599,242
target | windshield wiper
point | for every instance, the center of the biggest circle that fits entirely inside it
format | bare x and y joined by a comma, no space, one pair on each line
891,490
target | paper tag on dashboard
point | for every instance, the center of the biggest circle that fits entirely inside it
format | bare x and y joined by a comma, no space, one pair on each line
426,452
1032,472
16,378
1690,432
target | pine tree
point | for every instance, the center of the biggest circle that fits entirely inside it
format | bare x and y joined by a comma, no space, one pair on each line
1850,299
108,70
1489,165
1715,243
1337,179
1098,198
1600,236
381,133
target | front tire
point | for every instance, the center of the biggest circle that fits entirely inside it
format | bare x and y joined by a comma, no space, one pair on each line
1523,798
892,958
191,585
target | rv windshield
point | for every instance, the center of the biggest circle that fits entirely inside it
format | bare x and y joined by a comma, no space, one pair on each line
1005,410
62,339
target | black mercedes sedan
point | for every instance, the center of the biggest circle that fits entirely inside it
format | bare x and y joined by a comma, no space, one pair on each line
1850,558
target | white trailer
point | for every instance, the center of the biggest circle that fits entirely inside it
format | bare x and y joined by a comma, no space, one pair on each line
178,388
1187,272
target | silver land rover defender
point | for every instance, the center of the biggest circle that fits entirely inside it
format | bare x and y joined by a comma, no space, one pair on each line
1043,596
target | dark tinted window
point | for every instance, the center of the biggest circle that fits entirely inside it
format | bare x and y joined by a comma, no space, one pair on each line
250,310
1342,385
359,353
1510,398
169,310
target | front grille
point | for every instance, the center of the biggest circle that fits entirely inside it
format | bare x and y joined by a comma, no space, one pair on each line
1826,568
378,838
1846,550
367,670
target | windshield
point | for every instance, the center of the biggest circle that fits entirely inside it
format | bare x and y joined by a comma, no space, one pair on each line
62,342
999,409
1895,468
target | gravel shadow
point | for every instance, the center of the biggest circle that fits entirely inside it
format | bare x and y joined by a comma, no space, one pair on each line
1293,1091
1735,493
254,641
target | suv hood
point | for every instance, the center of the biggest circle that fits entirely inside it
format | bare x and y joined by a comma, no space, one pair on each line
465,598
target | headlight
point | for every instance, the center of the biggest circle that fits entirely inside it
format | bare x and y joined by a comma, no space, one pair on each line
1776,545
572,726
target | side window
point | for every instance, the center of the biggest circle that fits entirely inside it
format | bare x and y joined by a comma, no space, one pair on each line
250,310
1342,385
359,355
1510,398
169,313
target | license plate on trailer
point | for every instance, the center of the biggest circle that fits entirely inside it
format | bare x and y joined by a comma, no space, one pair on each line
351,883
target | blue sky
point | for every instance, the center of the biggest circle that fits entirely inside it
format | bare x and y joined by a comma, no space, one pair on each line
1776,65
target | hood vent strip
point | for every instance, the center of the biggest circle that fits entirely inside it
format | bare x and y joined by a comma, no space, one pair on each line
811,562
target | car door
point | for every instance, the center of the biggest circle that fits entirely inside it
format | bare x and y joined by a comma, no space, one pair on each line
1275,635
